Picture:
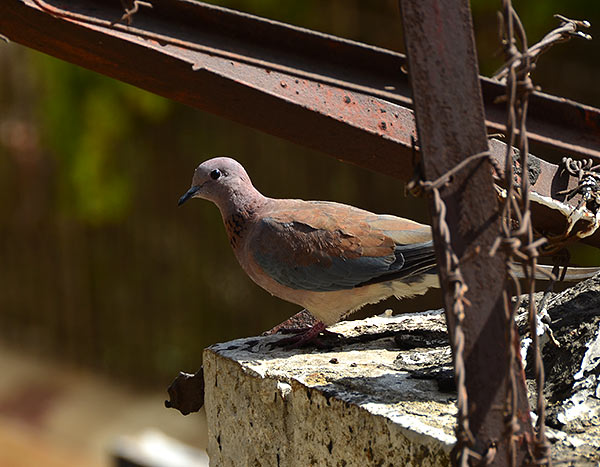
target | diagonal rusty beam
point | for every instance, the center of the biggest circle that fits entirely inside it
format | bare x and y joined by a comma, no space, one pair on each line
175,35
322,116
444,76
349,100
555,122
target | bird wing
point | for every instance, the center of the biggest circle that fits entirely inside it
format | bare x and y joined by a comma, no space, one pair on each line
320,246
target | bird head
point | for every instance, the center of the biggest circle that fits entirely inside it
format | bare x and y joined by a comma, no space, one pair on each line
217,180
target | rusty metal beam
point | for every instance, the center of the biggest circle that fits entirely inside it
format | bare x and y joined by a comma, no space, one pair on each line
176,35
444,76
322,116
349,100
552,121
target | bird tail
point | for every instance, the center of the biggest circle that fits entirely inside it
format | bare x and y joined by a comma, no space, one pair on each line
544,272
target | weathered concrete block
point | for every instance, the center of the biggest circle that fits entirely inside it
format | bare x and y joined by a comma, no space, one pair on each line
383,394
358,404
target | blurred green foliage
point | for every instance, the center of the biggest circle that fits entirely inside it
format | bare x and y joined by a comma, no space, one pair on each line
87,123
100,268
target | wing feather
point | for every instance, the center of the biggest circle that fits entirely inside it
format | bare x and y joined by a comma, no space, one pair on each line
320,246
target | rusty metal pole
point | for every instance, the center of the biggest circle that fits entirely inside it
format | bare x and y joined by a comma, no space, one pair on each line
450,122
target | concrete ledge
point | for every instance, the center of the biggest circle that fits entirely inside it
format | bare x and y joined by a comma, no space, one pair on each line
364,402
383,394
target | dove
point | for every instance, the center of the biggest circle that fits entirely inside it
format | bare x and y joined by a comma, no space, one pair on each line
328,257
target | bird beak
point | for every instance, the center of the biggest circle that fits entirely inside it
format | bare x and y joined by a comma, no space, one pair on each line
189,194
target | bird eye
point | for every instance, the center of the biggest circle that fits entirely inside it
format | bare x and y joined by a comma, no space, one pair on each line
215,174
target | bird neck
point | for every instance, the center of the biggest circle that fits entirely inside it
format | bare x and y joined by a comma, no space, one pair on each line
239,212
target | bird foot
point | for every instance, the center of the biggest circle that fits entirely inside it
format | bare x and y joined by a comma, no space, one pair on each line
301,321
308,337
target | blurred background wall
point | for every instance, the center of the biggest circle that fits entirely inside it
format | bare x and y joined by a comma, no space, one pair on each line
98,266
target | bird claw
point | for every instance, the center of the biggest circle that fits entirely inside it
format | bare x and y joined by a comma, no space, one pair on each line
307,337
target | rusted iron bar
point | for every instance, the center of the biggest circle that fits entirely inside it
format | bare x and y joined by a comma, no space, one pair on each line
552,121
349,100
325,117
443,70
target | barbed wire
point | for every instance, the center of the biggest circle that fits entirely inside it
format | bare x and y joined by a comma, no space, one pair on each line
588,183
131,7
510,239
519,241
517,238
417,186
568,28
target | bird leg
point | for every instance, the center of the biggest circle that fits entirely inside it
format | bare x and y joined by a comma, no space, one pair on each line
307,337
301,321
